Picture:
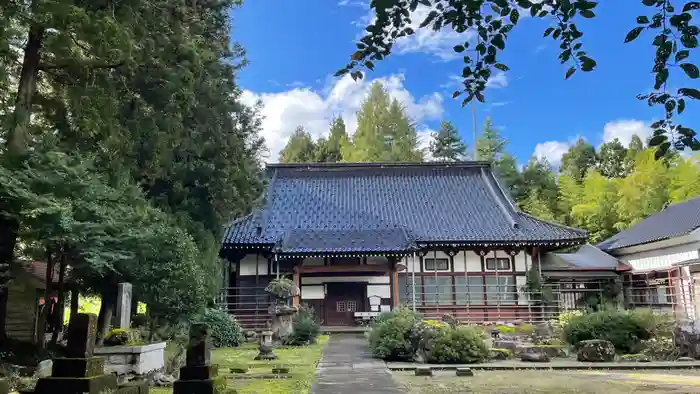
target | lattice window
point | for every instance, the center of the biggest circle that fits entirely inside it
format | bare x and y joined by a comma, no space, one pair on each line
352,306
340,306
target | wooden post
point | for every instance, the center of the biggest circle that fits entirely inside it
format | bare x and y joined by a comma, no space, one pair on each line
297,283
394,285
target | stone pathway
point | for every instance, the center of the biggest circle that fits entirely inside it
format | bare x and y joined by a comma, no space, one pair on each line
347,367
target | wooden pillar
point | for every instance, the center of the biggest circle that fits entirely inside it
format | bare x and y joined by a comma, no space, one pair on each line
297,282
394,284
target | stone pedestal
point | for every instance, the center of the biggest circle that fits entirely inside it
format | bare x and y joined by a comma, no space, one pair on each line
266,348
282,320
80,372
198,376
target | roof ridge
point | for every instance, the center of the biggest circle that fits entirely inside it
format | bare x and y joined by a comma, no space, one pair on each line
503,209
262,215
555,224
343,165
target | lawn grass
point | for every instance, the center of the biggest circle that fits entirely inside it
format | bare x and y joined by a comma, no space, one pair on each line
301,362
549,382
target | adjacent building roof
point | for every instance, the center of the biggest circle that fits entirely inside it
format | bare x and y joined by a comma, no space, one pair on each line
587,257
380,207
675,220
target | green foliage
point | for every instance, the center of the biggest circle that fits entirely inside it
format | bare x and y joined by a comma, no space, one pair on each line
660,349
328,150
300,147
384,131
390,336
123,337
578,159
446,144
282,288
493,20
459,345
225,330
624,329
611,160
491,144
305,328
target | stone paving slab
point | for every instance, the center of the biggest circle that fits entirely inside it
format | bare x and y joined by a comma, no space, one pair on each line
555,365
347,367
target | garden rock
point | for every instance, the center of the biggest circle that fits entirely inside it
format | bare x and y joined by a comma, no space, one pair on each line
595,350
534,357
687,337
160,379
685,359
499,354
44,369
513,346
550,350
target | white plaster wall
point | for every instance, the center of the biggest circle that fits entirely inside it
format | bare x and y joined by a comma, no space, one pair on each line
313,262
471,258
317,280
660,258
520,282
315,292
377,260
382,291
248,265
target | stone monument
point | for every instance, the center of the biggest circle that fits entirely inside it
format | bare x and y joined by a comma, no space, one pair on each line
198,376
80,372
124,305
265,350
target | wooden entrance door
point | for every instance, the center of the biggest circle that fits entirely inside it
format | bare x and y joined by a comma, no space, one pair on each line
342,301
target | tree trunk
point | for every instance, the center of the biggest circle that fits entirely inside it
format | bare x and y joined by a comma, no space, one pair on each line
41,326
16,146
18,134
104,320
61,303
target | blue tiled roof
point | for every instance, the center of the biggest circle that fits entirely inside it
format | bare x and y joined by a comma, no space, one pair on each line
433,202
675,220
586,257
345,241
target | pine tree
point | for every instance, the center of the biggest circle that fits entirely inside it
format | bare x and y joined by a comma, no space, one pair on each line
538,177
446,144
368,144
400,134
595,209
536,206
300,147
490,144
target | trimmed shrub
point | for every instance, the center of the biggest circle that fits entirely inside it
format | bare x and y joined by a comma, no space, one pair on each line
123,337
624,329
459,345
225,330
305,328
390,336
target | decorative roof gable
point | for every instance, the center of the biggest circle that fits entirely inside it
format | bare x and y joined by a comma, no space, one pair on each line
449,203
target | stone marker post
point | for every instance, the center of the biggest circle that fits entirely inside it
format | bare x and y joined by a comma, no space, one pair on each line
198,376
124,305
80,372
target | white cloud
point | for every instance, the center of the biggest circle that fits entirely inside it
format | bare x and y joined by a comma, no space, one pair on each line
425,40
284,111
497,81
624,129
424,138
552,151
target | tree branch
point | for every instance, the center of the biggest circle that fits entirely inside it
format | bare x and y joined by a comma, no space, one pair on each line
89,64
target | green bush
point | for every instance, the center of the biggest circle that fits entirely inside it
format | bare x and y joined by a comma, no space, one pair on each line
390,337
625,329
225,330
306,328
459,345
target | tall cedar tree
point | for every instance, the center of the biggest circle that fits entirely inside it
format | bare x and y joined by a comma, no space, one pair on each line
611,159
164,108
384,131
328,149
300,147
446,144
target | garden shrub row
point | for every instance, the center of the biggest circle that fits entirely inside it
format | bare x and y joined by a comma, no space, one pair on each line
402,334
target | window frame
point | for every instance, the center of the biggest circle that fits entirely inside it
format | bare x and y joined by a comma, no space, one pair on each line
509,296
496,264
435,261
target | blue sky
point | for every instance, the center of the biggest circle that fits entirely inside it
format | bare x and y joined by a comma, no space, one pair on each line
294,47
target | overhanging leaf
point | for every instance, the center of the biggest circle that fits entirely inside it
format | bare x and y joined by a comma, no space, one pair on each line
691,70
570,72
633,34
